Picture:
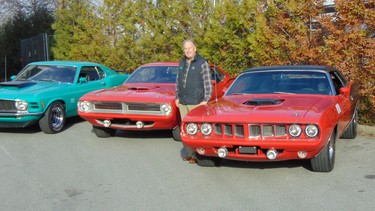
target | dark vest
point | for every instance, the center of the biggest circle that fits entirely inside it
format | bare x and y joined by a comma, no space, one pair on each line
193,92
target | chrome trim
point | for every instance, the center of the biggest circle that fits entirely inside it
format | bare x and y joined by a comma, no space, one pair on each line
125,126
20,114
127,108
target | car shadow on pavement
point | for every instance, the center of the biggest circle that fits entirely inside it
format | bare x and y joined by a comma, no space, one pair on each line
152,134
29,130
266,165
69,122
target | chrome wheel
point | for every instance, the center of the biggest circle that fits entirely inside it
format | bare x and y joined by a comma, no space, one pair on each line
53,119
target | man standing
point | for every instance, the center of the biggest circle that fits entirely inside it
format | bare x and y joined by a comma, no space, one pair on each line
193,85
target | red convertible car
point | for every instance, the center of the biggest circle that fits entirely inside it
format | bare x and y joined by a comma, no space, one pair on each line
276,113
146,101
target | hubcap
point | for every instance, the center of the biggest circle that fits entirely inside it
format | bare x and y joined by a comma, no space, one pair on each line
57,117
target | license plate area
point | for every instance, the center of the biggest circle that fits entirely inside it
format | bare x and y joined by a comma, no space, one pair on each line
247,150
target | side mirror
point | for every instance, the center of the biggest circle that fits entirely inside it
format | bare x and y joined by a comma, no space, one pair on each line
82,80
224,90
213,82
13,77
344,90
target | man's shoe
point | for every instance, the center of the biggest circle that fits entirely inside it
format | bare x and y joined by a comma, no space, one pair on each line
193,161
186,158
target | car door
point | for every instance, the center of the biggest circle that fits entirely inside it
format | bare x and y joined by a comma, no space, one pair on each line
343,105
90,78
217,83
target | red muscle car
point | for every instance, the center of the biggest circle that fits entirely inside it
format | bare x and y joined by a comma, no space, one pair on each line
276,113
146,101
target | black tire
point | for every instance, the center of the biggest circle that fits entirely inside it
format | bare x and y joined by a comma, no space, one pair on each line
53,119
325,160
103,132
207,161
351,131
176,133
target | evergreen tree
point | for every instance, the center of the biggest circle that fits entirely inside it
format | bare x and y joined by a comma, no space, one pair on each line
226,40
23,25
234,34
76,28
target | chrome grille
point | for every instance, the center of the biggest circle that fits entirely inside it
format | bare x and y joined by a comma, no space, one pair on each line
218,129
280,130
7,106
228,130
143,107
239,131
109,106
252,131
267,130
127,108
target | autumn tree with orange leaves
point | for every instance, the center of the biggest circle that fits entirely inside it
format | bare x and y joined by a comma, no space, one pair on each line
233,34
304,32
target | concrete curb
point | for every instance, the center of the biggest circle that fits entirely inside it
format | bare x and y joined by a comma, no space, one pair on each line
366,130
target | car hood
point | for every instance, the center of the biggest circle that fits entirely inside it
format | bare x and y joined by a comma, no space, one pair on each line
21,89
134,92
262,108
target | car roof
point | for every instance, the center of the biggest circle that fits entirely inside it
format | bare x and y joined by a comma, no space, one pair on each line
291,67
167,64
161,64
68,63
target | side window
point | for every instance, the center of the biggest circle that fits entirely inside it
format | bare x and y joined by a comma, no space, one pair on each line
216,75
100,72
338,81
92,73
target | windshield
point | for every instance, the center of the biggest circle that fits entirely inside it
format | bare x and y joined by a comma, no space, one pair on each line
288,82
54,73
154,74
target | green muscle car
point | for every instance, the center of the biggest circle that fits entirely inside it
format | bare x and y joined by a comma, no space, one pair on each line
47,92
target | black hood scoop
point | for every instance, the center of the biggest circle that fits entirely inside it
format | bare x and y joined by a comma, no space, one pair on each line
18,84
142,88
263,102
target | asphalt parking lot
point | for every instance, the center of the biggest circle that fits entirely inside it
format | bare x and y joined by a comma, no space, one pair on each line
75,170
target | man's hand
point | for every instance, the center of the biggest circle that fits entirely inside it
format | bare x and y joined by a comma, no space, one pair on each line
177,102
203,103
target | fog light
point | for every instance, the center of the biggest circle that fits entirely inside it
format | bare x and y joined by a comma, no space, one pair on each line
200,151
139,124
222,152
107,123
271,154
302,154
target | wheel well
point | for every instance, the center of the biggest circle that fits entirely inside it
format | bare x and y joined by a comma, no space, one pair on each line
335,130
61,101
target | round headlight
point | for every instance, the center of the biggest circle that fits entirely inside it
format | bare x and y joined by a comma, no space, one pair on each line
311,131
206,129
192,128
21,105
295,130
166,109
84,106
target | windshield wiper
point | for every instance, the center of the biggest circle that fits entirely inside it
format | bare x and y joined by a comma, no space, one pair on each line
240,93
288,93
50,80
